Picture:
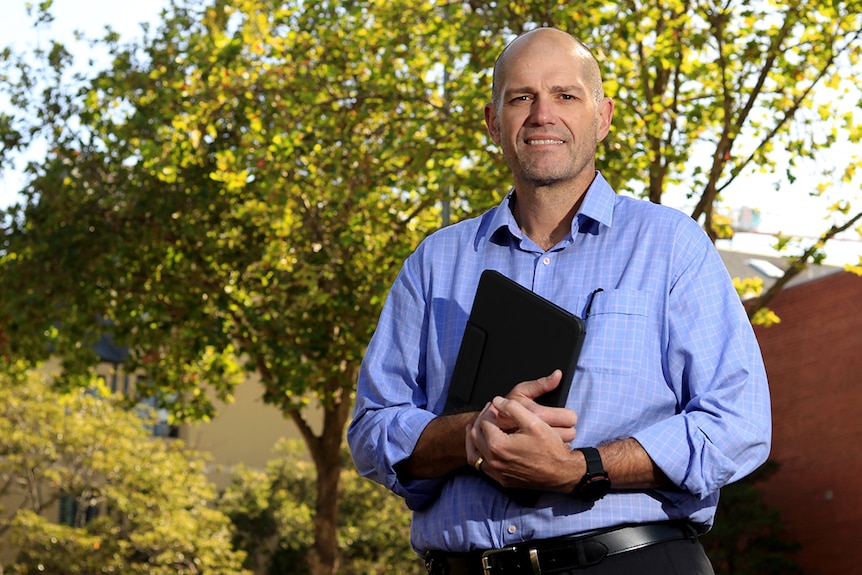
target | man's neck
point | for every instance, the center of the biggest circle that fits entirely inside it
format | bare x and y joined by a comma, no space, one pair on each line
545,213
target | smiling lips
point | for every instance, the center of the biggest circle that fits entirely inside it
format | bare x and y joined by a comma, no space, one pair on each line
543,142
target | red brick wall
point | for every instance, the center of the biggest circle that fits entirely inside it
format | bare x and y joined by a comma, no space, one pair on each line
814,362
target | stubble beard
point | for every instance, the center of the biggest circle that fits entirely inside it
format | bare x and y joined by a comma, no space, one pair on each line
532,171
528,169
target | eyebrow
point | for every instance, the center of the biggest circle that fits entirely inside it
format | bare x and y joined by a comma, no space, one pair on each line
573,88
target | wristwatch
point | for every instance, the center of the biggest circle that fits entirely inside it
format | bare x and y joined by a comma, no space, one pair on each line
595,483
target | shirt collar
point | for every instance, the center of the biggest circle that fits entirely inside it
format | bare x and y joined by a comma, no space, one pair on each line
597,207
598,204
503,219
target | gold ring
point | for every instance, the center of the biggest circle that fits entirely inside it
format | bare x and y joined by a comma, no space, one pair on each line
479,462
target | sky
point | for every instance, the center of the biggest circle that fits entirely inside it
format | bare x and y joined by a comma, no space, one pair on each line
801,216
87,16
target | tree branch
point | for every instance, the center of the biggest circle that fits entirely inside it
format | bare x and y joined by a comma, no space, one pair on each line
797,265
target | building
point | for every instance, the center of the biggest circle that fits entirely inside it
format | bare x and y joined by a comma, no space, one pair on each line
245,431
813,359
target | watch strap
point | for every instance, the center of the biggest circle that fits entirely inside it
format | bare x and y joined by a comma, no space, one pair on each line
594,460
595,483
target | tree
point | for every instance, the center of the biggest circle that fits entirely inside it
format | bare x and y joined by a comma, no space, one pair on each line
239,189
272,518
242,188
130,503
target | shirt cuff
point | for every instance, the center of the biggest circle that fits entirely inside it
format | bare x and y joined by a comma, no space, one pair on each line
694,463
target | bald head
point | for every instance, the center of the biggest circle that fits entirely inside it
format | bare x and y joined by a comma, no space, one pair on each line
548,40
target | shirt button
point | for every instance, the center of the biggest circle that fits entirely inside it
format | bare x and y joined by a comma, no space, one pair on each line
546,261
512,529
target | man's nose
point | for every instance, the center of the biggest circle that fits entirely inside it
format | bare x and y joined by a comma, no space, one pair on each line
542,111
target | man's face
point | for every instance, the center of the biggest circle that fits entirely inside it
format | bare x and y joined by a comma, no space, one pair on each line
547,120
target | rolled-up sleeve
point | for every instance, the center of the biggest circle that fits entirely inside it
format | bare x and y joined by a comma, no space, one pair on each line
713,362
390,411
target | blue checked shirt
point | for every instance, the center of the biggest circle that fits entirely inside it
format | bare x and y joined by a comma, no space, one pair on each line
669,359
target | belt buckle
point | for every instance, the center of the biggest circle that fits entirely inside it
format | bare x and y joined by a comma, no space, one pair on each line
488,568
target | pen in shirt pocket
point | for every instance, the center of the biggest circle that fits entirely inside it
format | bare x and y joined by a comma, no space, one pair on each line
590,303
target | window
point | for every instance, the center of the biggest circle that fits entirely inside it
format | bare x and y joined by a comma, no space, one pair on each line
69,511
149,409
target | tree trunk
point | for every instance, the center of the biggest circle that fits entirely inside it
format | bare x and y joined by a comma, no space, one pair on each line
323,557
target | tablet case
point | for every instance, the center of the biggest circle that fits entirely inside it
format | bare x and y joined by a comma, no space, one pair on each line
513,335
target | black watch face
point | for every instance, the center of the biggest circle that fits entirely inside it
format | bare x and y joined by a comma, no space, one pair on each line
595,488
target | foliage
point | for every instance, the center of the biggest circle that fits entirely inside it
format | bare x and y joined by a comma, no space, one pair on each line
748,288
138,504
273,521
748,538
240,190
236,191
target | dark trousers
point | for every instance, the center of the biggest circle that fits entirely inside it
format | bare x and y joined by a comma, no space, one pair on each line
682,557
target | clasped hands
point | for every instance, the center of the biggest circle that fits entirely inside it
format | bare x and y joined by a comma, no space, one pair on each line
523,444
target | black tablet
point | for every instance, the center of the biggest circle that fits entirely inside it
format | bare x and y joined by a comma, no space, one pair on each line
513,335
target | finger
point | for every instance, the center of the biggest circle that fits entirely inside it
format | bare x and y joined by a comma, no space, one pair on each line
490,442
567,434
473,453
511,410
556,416
517,416
488,413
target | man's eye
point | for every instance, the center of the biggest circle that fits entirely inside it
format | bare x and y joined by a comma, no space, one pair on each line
567,97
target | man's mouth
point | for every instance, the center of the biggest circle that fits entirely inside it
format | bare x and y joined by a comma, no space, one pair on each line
544,142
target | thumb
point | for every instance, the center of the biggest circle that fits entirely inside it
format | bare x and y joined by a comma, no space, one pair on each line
536,387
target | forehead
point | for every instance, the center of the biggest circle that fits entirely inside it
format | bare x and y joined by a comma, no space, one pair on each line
546,56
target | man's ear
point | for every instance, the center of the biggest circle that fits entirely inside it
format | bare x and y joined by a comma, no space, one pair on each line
606,116
491,122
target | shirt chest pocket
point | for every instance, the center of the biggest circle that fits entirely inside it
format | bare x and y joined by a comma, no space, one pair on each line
616,331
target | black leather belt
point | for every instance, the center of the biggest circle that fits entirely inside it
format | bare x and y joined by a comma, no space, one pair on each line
556,555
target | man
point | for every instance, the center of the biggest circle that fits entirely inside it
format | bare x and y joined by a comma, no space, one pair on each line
669,402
